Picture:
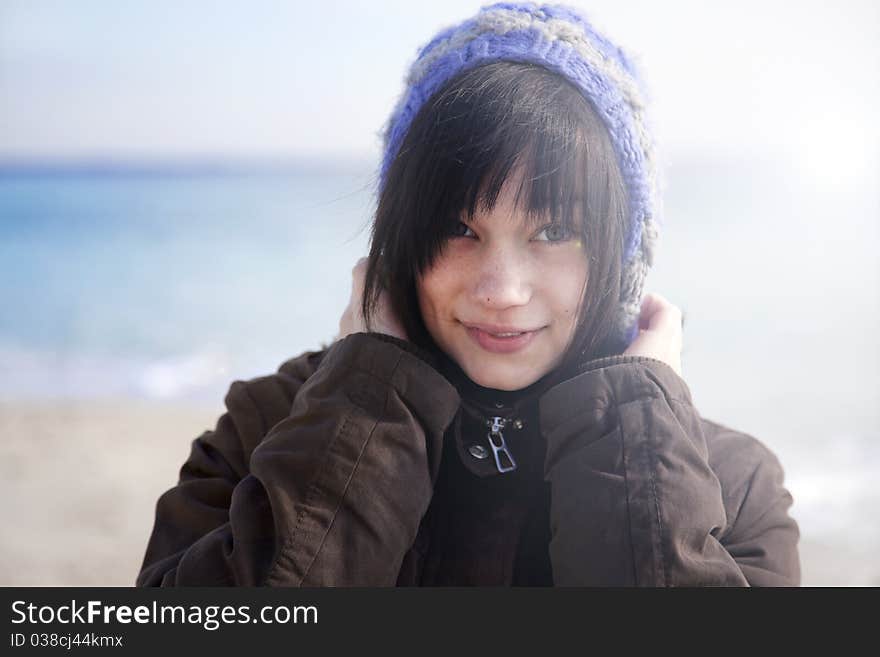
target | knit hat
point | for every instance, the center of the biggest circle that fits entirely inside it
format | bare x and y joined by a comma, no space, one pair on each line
562,40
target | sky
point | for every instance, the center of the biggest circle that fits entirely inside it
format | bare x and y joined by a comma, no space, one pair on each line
169,79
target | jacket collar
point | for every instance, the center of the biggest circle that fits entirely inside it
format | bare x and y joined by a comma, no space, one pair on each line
490,399
518,413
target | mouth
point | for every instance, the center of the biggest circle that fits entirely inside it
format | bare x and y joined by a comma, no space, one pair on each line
501,339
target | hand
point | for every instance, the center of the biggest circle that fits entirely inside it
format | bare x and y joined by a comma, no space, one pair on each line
352,320
660,332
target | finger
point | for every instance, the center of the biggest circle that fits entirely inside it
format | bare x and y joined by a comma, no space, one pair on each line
668,320
651,304
658,314
358,278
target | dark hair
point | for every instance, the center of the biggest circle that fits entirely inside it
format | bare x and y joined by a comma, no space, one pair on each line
463,144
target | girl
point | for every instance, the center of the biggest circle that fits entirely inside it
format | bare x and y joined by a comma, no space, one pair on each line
501,405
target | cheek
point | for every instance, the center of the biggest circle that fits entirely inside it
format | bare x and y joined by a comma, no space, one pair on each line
433,290
568,291
438,287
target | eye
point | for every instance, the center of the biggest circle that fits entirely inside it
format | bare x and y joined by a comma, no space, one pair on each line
554,233
461,230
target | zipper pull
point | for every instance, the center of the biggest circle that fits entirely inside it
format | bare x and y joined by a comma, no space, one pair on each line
499,446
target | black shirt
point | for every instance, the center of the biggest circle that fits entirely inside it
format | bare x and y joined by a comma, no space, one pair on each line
485,527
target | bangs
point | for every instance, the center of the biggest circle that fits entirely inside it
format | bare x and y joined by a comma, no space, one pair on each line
499,123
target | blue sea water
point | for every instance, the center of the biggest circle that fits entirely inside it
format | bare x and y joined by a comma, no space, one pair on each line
169,286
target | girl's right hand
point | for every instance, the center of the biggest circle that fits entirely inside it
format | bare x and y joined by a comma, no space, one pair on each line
352,320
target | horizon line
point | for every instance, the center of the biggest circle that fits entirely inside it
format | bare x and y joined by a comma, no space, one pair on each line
184,164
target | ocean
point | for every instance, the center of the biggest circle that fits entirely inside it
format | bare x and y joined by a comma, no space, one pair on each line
170,286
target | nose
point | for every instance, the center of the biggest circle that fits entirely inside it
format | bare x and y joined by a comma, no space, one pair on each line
503,279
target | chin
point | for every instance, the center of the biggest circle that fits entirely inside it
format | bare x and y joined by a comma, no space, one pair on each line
499,380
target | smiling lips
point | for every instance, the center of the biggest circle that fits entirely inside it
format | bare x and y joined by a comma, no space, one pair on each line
500,339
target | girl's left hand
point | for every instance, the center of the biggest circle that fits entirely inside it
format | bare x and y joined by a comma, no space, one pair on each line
660,332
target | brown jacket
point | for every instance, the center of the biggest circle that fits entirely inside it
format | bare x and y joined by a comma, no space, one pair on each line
324,473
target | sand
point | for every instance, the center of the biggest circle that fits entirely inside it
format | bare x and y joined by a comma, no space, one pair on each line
80,482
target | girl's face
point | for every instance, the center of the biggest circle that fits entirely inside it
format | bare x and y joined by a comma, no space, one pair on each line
499,275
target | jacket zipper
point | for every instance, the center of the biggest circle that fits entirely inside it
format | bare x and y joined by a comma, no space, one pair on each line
499,446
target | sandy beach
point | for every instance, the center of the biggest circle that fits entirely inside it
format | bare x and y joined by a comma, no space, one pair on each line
80,482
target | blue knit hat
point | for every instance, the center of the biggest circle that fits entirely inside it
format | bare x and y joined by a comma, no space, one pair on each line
561,40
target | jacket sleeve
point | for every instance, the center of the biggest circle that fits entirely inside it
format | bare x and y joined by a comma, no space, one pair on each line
332,495
635,501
